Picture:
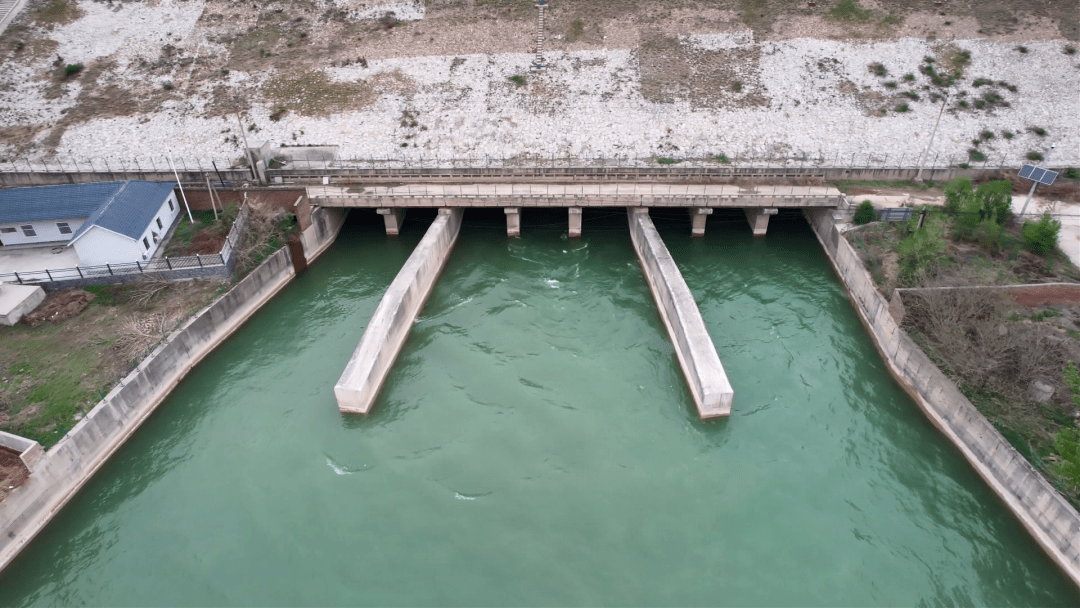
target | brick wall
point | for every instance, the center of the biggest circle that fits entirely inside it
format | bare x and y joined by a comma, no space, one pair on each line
283,199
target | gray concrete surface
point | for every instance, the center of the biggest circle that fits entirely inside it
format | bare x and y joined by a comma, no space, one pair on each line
595,194
30,451
513,221
700,364
1050,519
388,328
18,300
30,259
393,218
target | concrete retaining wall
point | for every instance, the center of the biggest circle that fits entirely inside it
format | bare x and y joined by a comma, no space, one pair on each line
1053,522
700,364
324,228
389,326
30,451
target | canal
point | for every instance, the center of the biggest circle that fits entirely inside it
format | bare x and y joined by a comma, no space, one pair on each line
535,445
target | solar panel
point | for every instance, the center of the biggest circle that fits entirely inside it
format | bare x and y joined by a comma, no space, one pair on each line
1036,174
1048,177
1025,171
895,214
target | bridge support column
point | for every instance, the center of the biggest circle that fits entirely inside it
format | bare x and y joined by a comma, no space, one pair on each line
513,221
393,217
698,215
759,219
575,222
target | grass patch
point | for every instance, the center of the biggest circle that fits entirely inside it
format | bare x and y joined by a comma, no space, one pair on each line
851,11
575,31
517,79
58,12
667,160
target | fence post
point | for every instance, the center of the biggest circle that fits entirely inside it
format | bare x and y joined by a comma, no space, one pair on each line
109,268
18,278
168,263
48,274
199,260
79,270
139,266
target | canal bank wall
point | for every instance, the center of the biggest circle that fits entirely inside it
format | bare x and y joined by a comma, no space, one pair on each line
694,347
57,476
385,334
1050,519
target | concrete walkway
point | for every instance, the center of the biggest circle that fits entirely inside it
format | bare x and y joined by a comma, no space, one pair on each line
575,195
30,259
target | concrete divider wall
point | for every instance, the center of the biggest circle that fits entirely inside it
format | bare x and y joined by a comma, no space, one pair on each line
366,371
86,447
1050,519
30,451
700,364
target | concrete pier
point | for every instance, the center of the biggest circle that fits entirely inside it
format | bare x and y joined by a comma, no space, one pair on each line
513,221
389,326
698,215
575,222
700,364
759,219
394,217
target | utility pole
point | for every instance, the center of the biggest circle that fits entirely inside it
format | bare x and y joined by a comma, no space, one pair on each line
182,195
933,132
1031,193
243,134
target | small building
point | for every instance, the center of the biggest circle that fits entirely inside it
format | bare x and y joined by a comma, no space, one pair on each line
105,223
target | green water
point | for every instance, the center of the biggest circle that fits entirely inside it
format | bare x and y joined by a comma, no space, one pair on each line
535,445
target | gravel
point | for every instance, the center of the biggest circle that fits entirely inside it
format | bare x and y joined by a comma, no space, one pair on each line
818,103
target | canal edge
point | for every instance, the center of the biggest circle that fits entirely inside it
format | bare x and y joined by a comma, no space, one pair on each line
1047,516
64,470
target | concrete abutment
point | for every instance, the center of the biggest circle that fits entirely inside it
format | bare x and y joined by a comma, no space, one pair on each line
393,217
513,221
575,222
759,219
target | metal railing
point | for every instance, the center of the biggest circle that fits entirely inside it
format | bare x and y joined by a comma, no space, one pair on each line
160,267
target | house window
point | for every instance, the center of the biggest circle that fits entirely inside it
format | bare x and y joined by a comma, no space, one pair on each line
28,230
64,227
159,222
6,230
146,243
170,204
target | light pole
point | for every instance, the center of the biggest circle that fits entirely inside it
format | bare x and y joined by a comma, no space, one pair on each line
932,133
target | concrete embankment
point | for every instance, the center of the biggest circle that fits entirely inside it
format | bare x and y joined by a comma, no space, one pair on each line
389,326
700,364
1053,522
58,475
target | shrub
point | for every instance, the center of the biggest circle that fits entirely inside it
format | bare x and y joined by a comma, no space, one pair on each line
975,155
986,135
864,214
967,220
517,79
957,192
877,69
1022,49
1008,134
666,160
1034,156
736,86
902,108
1041,236
890,85
1072,173
911,95
1069,50
989,235
920,252
1041,132
721,158
978,82
72,68
995,201
909,77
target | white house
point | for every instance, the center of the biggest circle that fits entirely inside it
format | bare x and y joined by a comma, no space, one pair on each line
106,223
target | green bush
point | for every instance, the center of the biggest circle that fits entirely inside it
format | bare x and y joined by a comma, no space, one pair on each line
967,220
1041,236
864,214
989,234
920,252
1067,442
995,201
957,192
72,68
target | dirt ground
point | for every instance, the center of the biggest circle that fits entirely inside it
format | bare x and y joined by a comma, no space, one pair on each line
300,37
52,373
13,472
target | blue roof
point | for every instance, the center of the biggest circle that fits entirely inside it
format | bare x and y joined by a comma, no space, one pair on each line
130,210
125,208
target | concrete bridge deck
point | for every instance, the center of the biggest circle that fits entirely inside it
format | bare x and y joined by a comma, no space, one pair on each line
575,195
